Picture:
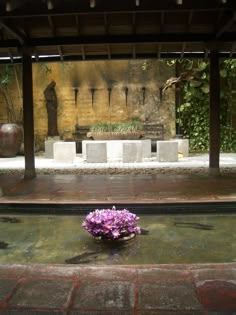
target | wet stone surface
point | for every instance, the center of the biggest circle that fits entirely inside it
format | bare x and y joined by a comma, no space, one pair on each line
42,293
117,295
165,295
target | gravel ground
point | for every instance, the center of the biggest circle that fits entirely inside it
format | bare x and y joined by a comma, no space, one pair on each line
194,164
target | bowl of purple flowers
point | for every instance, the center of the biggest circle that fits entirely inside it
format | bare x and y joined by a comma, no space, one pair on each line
112,224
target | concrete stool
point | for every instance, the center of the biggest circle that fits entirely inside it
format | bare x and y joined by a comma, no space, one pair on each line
96,152
183,146
64,152
167,151
132,152
114,150
48,144
147,148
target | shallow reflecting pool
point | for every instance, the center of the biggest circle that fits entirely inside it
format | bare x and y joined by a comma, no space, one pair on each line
171,239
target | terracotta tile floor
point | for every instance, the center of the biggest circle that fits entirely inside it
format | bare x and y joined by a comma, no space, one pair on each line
117,188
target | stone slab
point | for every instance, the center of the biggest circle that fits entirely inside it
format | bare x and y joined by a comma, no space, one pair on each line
167,151
217,294
105,295
96,152
6,287
33,312
168,295
64,152
42,293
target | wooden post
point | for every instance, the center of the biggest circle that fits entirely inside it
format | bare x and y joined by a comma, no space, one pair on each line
28,114
214,156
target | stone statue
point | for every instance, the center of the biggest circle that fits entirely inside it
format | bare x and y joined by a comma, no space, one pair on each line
51,103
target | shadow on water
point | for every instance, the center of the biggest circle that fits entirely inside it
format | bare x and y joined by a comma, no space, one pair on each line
165,239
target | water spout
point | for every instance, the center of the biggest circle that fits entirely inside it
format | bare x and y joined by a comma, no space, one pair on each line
144,94
126,95
109,95
76,91
93,90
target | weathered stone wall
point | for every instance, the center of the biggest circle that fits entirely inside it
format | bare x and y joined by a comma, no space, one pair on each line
99,76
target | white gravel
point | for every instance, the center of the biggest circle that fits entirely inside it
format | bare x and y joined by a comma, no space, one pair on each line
192,164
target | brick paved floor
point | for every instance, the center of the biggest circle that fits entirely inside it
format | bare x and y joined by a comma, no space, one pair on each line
137,290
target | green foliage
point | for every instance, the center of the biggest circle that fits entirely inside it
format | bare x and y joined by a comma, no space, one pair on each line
128,127
45,68
193,113
6,76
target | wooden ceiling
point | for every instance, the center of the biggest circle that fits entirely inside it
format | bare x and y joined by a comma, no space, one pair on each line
108,29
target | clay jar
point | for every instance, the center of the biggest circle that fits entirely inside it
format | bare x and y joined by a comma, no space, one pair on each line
11,137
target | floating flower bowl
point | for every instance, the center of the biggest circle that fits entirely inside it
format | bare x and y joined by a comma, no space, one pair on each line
112,224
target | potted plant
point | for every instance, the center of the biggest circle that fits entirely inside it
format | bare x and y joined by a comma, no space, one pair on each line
112,224
11,132
116,131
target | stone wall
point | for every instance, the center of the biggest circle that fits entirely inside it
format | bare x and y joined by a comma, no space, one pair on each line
134,93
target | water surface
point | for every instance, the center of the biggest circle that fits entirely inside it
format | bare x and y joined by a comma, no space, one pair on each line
171,239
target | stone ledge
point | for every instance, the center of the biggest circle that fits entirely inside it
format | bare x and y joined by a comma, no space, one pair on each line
199,289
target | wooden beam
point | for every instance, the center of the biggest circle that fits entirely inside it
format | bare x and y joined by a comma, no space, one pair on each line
134,51
106,24
232,49
10,55
12,32
134,22
83,52
109,51
77,22
226,26
11,5
190,19
162,25
28,114
124,39
159,46
82,7
214,154
182,50
60,53
52,27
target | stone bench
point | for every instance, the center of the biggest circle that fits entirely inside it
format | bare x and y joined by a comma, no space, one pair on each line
126,151
64,152
167,151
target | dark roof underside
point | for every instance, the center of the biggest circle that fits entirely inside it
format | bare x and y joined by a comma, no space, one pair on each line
107,29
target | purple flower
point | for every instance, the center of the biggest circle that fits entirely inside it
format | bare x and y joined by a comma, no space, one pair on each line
111,223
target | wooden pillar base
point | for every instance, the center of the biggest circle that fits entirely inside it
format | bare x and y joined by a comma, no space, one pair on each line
215,171
29,174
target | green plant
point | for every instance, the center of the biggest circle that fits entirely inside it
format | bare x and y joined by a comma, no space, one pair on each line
6,78
193,112
127,127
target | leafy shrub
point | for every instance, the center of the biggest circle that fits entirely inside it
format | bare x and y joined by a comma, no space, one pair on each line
128,127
